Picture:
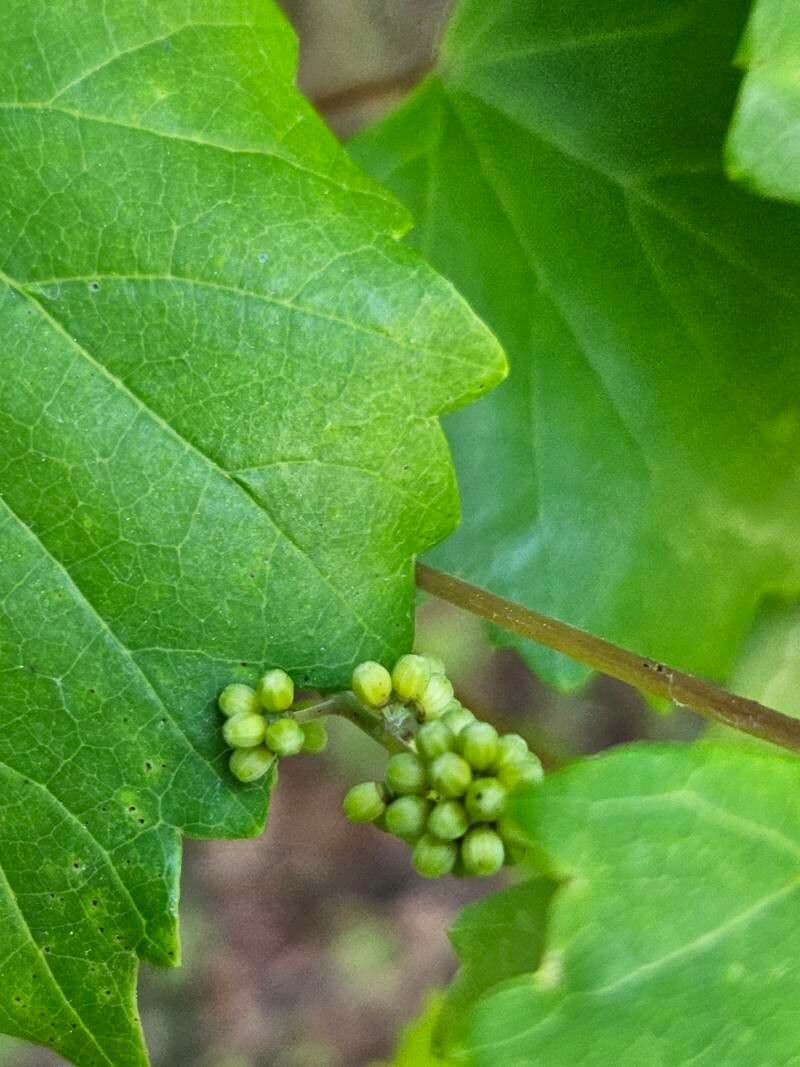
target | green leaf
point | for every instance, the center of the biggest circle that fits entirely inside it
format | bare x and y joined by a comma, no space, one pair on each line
637,475
763,149
768,669
414,1046
496,939
219,450
674,934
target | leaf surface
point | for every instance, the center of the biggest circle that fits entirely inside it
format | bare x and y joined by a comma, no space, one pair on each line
763,147
673,936
637,474
219,451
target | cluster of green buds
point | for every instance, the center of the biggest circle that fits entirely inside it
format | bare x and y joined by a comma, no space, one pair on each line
259,725
446,796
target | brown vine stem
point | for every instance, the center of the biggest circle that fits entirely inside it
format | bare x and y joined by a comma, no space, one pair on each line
639,671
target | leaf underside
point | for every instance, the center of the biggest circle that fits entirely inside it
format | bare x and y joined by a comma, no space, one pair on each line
219,451
637,474
673,938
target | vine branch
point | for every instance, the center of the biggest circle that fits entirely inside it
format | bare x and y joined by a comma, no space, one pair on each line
390,727
684,689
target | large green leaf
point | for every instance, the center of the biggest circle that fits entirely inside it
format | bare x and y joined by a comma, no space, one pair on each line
673,939
637,475
764,142
219,382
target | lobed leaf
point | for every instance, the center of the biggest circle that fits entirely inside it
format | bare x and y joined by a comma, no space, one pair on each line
220,378
637,475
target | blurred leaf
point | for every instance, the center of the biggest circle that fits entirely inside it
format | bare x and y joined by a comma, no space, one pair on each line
218,450
768,669
674,934
763,147
496,939
414,1046
637,475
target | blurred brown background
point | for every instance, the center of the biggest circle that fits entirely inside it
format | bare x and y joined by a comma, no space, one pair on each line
311,946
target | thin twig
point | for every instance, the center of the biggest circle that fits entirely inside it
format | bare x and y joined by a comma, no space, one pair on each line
639,671
389,727
354,95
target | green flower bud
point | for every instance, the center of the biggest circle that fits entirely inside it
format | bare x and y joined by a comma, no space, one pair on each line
524,772
284,737
485,800
364,802
482,851
448,820
434,738
244,731
450,775
276,691
436,696
238,699
315,736
250,764
406,774
511,748
410,676
406,817
433,858
372,683
456,717
477,743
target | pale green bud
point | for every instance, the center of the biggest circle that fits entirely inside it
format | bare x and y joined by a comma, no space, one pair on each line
485,800
236,699
433,739
477,743
406,774
407,816
410,676
372,684
511,748
448,820
244,731
315,736
433,858
364,802
436,665
524,772
284,737
250,764
450,775
276,691
436,696
456,717
482,851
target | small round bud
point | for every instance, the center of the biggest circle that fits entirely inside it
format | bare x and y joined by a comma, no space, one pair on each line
238,699
406,774
482,851
448,820
276,691
434,738
244,731
436,665
372,683
364,802
433,858
456,717
410,676
406,817
524,772
511,748
485,800
477,743
450,775
436,696
250,764
315,736
284,737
